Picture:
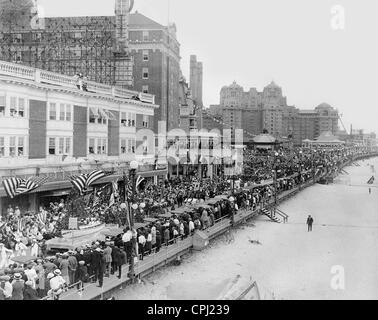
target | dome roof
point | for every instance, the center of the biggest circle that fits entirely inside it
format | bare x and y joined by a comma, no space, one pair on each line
324,105
264,138
272,85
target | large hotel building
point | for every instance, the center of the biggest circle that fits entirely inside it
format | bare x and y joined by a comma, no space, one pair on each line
49,127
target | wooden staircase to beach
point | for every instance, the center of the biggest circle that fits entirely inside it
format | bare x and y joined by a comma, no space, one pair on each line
276,215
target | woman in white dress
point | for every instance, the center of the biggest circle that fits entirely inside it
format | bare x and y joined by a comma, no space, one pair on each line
4,254
20,248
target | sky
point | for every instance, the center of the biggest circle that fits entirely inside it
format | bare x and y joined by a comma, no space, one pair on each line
253,42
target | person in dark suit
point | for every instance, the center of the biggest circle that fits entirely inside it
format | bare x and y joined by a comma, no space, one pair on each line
310,222
99,263
158,240
82,274
29,292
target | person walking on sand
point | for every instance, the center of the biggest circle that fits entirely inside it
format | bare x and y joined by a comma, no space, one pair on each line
310,221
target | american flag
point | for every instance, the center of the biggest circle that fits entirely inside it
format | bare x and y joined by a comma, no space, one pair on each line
128,189
42,217
21,223
115,188
17,186
82,182
96,199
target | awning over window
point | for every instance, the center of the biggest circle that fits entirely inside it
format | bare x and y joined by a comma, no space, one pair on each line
94,112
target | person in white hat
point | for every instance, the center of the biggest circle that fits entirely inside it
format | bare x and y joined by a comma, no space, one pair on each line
57,284
18,287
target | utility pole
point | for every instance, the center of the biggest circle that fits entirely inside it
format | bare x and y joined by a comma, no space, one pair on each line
275,181
132,174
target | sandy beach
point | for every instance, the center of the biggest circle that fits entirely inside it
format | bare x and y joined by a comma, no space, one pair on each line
290,263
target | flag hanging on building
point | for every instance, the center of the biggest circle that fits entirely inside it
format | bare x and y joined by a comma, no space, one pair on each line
17,186
83,182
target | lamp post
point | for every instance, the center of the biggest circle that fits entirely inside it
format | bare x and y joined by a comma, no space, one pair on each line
313,166
132,173
300,169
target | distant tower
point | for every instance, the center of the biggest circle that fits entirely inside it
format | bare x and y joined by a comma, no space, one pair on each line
123,60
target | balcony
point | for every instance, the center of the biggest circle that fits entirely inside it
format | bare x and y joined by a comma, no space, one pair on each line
47,77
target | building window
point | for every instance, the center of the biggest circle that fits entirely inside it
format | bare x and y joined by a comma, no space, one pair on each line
2,106
2,147
91,146
145,89
20,146
12,146
21,107
97,116
68,146
98,145
128,119
17,107
92,116
123,146
51,146
145,73
146,35
145,121
52,111
62,112
145,55
68,113
59,146
131,146
13,106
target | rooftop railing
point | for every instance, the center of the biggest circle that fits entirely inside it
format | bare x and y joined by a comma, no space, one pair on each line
43,76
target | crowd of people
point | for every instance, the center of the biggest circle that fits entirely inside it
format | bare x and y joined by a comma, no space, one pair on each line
50,276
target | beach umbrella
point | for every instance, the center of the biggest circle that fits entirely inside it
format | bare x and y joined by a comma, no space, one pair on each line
23,259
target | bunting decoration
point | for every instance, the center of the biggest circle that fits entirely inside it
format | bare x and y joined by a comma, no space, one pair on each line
84,181
17,186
